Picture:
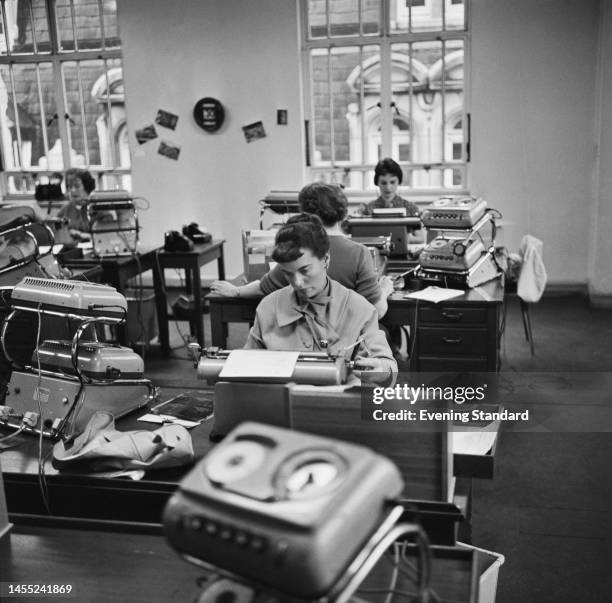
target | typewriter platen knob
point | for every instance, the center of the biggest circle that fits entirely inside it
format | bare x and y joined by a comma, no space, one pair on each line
194,349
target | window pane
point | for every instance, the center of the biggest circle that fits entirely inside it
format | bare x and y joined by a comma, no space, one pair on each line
319,61
93,21
370,16
317,19
455,14
344,17
412,16
28,125
347,121
95,103
27,28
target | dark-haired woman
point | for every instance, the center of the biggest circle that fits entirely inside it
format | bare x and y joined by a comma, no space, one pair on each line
388,176
79,185
316,313
350,262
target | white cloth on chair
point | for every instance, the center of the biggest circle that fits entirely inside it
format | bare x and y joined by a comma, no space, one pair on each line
532,278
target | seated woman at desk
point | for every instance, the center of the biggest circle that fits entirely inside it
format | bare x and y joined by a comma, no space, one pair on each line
350,262
388,176
79,185
316,313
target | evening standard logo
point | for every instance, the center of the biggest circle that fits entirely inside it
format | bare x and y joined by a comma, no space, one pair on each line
424,393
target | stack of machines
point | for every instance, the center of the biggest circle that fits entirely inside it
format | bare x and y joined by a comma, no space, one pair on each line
67,380
113,223
461,243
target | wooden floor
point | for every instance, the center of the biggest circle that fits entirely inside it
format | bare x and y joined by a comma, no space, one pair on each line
548,509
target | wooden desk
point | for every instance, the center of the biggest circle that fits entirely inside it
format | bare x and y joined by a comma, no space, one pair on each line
88,496
117,271
103,565
191,262
461,334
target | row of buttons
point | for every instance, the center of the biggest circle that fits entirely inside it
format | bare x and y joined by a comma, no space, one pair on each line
256,543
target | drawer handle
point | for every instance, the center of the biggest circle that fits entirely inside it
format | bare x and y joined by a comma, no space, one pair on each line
452,315
452,341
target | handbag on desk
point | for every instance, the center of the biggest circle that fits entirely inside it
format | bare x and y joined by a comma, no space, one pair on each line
101,447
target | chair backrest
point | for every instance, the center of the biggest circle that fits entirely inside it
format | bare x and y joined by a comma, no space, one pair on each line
421,450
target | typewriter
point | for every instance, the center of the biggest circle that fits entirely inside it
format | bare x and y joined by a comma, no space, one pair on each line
67,381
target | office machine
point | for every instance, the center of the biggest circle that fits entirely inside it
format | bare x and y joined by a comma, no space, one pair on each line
67,381
454,212
311,368
297,514
254,395
484,269
20,253
395,227
69,297
94,360
449,253
379,248
113,223
277,207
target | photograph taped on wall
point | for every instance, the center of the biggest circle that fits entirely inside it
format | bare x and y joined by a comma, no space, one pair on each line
254,131
145,134
169,150
166,119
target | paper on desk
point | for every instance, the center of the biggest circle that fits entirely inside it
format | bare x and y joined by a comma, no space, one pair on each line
434,294
266,364
155,418
475,441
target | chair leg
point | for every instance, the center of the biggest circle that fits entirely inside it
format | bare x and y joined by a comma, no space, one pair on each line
527,326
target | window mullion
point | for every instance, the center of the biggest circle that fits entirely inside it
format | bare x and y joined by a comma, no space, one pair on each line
74,27
386,115
16,116
63,123
331,108
34,40
109,129
82,111
43,116
102,34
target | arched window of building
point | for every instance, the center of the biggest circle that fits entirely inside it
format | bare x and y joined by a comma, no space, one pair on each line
376,89
62,103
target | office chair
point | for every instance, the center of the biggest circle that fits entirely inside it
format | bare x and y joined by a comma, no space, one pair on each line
530,282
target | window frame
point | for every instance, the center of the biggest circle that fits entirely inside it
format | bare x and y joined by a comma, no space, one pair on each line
58,57
385,39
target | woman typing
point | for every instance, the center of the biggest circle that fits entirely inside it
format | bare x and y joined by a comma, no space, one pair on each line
350,262
316,313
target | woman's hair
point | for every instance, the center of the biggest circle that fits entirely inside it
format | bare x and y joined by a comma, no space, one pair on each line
324,200
304,231
387,166
83,175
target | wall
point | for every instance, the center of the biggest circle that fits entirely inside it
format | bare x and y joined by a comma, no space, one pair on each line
534,67
246,55
533,76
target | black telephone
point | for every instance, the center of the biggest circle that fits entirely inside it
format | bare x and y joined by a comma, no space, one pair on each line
175,241
193,232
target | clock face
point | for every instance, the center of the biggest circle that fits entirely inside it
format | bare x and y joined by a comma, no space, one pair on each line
311,477
209,114
309,473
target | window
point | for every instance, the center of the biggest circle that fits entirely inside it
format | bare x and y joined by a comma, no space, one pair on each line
61,92
385,78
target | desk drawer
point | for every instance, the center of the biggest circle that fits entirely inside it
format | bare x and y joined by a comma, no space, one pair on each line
452,342
453,364
453,315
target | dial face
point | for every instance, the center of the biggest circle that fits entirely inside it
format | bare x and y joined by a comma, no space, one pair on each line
235,462
311,477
